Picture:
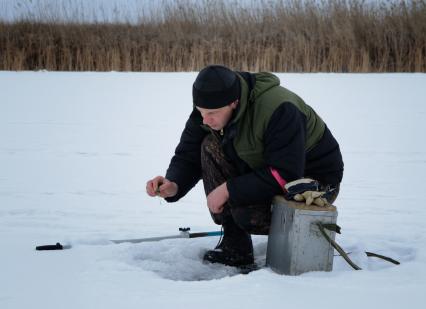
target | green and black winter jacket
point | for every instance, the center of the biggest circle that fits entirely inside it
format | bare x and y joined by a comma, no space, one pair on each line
272,128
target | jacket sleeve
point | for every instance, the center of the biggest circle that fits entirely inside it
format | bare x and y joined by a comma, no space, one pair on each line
185,166
284,151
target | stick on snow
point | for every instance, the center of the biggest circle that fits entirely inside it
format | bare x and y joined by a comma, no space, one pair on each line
184,233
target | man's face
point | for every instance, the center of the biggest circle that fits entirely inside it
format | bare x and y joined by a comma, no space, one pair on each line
218,118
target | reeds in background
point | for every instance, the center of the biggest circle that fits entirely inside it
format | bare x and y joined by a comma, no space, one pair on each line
279,36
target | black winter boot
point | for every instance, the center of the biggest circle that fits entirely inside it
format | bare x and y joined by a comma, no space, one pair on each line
235,249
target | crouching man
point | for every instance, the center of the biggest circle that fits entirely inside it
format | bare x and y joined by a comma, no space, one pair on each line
247,138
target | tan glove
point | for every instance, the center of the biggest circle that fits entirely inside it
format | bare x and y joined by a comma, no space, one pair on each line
305,190
311,197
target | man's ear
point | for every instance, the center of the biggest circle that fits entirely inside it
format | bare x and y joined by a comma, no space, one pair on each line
234,104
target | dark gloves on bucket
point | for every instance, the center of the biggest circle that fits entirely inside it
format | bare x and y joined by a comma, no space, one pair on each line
306,190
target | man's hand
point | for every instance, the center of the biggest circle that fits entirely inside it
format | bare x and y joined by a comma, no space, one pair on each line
160,186
305,190
311,197
217,199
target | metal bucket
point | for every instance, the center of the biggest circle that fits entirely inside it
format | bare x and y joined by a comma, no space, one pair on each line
295,243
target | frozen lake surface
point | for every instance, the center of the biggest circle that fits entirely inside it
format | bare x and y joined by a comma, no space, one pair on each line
76,150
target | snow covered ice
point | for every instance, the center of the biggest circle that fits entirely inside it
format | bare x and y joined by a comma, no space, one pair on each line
76,150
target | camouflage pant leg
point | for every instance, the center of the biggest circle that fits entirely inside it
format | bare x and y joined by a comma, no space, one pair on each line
255,219
215,168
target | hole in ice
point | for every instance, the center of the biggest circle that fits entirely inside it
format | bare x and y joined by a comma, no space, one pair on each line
181,260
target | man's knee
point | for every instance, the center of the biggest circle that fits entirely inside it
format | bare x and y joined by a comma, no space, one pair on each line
332,191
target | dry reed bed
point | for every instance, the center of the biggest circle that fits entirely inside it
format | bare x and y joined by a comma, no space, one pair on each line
290,36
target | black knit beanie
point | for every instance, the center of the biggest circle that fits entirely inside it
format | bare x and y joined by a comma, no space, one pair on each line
215,86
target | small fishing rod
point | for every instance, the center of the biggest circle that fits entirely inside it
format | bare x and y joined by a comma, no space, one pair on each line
183,233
